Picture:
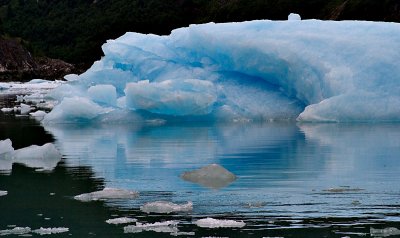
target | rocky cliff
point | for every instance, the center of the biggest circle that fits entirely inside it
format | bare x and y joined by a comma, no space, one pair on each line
17,64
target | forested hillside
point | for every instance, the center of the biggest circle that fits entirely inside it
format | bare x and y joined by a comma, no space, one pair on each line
74,30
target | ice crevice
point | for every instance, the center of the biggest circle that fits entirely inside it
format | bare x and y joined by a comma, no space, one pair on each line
305,70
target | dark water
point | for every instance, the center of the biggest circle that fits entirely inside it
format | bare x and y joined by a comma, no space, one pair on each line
293,180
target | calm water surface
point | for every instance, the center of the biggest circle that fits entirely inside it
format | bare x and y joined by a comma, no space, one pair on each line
293,180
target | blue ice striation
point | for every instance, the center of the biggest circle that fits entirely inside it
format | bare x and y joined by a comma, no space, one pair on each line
305,70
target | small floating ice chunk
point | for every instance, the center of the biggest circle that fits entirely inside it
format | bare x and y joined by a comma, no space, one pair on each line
216,223
51,230
25,109
121,220
16,231
39,115
294,17
107,193
212,176
44,157
389,231
6,151
7,109
164,227
166,207
3,193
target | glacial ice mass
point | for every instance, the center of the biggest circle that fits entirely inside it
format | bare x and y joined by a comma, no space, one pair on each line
309,70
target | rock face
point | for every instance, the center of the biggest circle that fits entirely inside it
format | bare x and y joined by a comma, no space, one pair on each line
17,64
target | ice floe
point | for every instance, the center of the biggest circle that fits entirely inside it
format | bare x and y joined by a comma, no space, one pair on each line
3,193
211,176
50,230
164,227
385,232
16,231
166,207
216,223
121,220
107,193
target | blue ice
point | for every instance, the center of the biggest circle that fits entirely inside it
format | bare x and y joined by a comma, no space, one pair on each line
305,70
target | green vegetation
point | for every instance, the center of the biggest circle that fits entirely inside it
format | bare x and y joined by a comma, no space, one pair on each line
74,30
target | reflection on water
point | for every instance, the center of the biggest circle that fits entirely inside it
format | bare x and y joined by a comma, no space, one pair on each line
330,180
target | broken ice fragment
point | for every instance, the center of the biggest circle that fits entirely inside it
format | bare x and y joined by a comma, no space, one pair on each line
121,220
211,176
107,193
166,207
15,231
44,157
6,151
165,227
49,231
216,223
389,231
3,193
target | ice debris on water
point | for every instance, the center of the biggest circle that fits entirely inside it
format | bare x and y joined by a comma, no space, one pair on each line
121,220
26,231
217,223
385,232
211,176
45,157
164,227
3,193
107,193
166,207
16,231
50,230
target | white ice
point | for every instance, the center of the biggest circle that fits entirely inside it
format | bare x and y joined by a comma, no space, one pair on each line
164,227
50,230
166,207
212,176
44,157
309,70
121,220
3,193
107,193
16,231
216,223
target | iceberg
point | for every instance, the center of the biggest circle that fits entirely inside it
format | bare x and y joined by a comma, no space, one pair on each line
3,193
107,193
217,223
305,70
166,207
211,176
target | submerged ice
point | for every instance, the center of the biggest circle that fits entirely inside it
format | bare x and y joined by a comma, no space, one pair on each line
309,70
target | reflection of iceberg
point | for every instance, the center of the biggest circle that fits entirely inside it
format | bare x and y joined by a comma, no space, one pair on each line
212,176
261,70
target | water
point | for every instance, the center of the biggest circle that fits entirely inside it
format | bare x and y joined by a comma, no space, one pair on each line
293,180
